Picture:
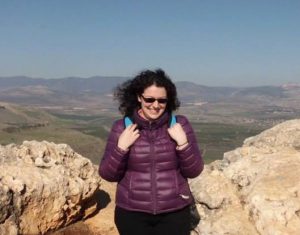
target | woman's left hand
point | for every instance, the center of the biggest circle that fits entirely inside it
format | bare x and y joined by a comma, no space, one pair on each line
177,133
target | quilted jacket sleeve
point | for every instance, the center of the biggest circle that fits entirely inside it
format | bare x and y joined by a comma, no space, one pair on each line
190,159
113,164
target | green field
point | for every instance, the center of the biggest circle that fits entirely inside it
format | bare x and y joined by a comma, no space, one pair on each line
216,138
87,134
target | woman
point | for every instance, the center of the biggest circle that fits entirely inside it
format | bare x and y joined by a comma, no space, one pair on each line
150,160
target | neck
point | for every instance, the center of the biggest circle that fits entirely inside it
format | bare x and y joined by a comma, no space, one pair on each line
142,115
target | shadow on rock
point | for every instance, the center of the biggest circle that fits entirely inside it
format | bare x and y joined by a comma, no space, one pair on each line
101,199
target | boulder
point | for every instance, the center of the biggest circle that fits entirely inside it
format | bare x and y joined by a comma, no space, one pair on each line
255,189
43,187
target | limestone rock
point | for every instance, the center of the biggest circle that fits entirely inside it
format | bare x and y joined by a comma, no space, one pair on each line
255,189
44,186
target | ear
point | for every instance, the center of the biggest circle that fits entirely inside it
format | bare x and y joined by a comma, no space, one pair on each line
139,99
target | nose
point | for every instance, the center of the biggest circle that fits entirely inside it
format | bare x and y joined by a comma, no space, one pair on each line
156,104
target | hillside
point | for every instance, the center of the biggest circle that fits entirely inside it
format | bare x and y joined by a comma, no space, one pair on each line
18,123
80,112
87,133
94,91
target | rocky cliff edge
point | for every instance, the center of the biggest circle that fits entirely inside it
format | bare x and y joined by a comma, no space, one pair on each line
255,189
44,186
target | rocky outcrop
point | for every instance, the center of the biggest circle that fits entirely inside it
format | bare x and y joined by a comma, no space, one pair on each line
255,189
44,186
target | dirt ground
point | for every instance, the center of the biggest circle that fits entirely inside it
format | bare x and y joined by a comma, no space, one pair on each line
103,222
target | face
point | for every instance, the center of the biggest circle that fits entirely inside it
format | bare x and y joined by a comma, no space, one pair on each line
153,110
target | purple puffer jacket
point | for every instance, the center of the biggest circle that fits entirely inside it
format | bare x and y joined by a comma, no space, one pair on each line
152,175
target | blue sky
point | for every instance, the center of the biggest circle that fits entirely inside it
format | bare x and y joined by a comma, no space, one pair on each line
211,42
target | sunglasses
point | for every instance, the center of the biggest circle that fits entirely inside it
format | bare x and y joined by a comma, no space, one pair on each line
152,100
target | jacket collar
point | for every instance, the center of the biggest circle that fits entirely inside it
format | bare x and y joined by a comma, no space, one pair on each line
145,124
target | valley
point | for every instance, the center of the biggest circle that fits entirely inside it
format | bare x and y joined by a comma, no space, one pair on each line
80,112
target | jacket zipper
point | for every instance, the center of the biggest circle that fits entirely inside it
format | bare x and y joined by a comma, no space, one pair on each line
153,181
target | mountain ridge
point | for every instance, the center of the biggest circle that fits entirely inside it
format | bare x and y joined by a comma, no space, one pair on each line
101,85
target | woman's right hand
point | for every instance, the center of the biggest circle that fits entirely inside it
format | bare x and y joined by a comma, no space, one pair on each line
128,137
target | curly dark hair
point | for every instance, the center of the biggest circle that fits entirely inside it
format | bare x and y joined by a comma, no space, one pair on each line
127,92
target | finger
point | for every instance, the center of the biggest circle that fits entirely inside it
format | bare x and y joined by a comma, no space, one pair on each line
179,125
136,131
175,126
129,127
133,126
136,136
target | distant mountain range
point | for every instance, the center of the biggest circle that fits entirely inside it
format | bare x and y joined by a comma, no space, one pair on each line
76,90
95,84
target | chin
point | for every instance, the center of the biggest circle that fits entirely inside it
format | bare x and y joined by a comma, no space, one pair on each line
155,116
150,115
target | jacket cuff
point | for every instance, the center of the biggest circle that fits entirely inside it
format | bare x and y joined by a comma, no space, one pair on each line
120,154
185,150
186,153
121,151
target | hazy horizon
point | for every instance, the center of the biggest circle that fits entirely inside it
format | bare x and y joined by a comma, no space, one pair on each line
124,77
211,43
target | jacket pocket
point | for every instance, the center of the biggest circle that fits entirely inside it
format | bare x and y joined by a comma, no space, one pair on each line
185,192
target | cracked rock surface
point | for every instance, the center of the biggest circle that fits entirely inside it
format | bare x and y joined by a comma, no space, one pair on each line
44,186
255,188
